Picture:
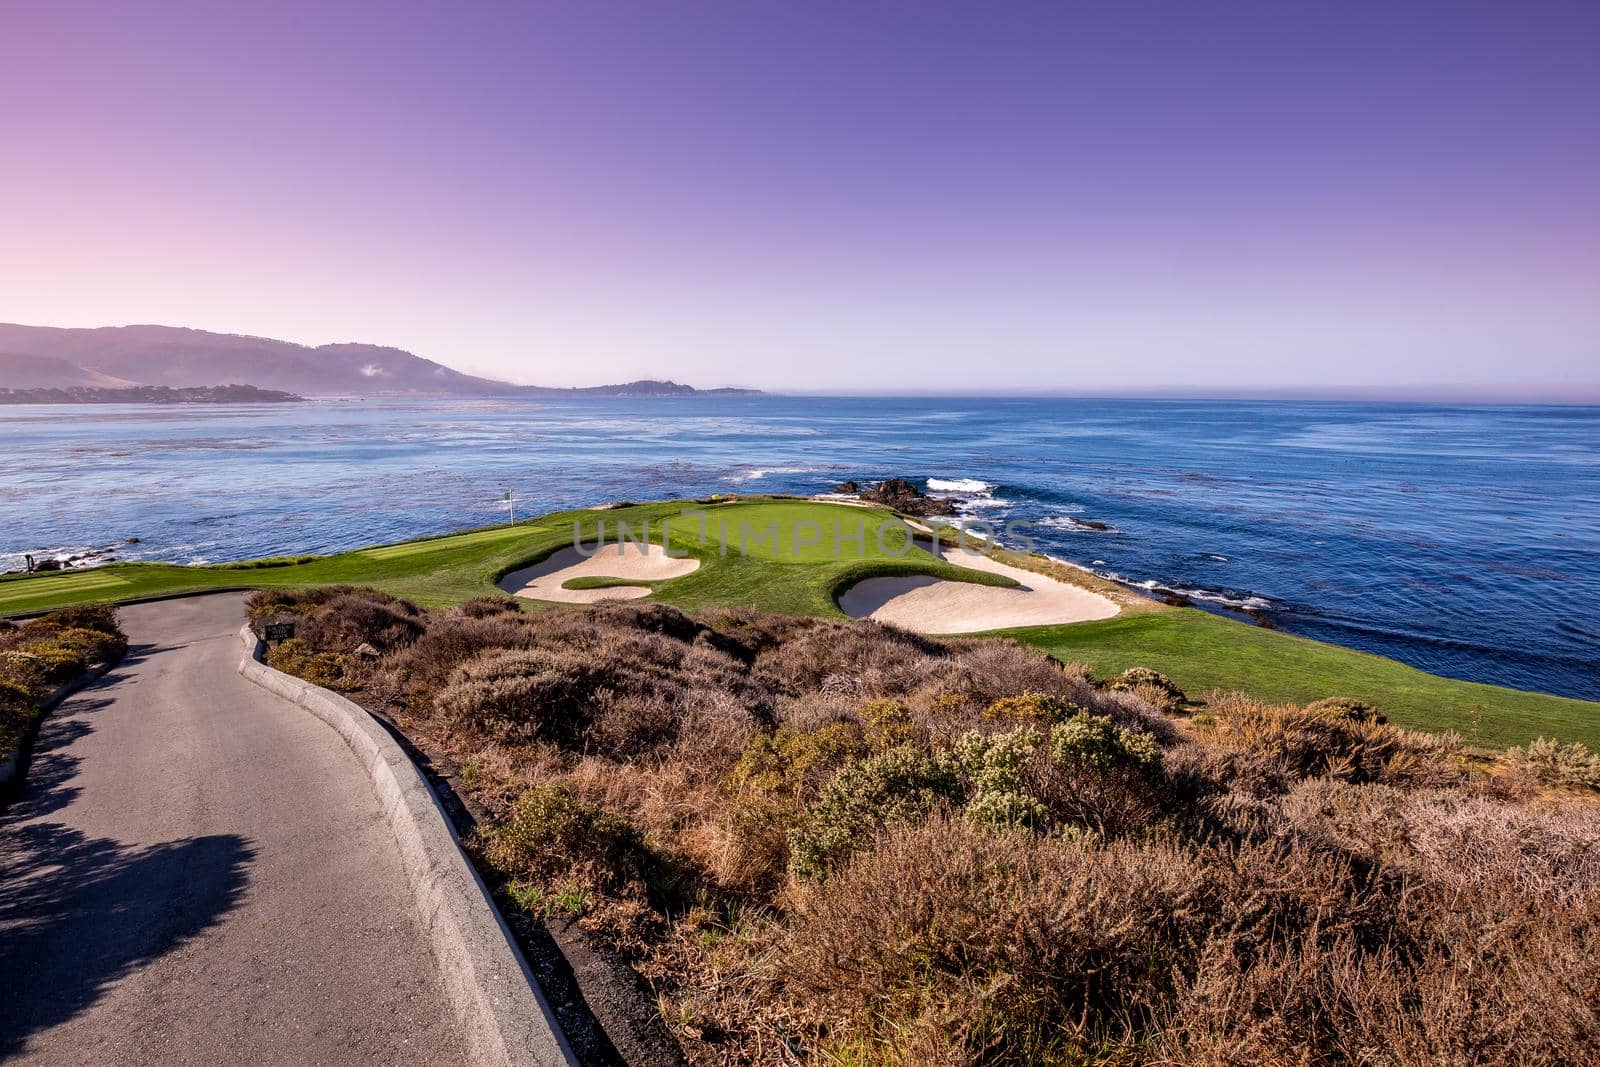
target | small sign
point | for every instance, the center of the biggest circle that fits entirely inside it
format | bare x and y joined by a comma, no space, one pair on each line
280,631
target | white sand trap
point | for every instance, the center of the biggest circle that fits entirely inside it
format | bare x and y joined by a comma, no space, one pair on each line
936,606
648,563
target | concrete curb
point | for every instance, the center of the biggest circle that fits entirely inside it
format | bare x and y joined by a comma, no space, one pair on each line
502,1011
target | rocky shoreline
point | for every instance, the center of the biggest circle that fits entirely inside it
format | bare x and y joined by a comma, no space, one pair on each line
902,496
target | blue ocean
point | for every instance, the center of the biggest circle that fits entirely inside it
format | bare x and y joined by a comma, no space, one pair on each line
1462,540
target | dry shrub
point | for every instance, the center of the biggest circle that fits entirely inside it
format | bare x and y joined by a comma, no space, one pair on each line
1151,686
614,679
341,618
519,695
946,942
482,607
450,640
1367,821
48,651
1312,741
820,839
1467,844
860,659
1517,992
296,656
96,646
1554,764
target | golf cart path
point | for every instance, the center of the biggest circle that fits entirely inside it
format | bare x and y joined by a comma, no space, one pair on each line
199,872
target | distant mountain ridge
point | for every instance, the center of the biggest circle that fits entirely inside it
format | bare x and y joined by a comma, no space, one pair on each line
48,357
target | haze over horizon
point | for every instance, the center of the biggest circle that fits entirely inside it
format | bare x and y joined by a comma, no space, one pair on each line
835,198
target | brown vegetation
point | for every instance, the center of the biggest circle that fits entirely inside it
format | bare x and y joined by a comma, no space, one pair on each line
834,841
41,654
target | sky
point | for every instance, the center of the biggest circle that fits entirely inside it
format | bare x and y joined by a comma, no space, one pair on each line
850,197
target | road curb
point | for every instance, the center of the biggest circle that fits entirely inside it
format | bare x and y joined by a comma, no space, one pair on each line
494,994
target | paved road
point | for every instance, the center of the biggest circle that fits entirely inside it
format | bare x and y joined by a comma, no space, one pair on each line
199,873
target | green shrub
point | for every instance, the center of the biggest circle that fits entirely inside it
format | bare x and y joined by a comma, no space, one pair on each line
1554,764
1095,741
17,709
549,830
298,658
787,762
898,786
96,645
996,765
888,723
53,663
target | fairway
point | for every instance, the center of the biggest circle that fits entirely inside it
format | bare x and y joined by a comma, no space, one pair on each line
413,548
86,585
798,556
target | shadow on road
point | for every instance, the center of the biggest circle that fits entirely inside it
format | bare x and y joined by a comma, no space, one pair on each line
76,913
47,763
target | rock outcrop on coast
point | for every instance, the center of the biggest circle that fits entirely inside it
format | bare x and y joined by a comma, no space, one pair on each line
904,497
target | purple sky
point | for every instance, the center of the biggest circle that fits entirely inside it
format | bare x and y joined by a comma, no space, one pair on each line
839,196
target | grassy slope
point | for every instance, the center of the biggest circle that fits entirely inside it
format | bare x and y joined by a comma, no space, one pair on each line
1203,652
784,573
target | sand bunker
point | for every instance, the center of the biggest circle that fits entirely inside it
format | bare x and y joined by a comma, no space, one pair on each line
647,563
936,606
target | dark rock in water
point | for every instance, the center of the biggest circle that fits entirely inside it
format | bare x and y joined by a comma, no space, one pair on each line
48,565
904,497
1177,600
848,487
133,541
1093,524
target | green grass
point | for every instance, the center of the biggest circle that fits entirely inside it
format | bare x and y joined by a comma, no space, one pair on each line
791,566
598,581
796,532
1201,652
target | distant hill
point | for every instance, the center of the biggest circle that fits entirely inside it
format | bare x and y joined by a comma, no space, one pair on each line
121,356
45,372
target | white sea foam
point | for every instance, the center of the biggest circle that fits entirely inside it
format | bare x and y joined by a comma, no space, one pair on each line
755,474
959,485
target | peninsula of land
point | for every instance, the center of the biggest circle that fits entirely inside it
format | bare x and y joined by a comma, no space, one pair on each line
126,357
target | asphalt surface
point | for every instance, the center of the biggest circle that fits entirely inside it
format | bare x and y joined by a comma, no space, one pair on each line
198,873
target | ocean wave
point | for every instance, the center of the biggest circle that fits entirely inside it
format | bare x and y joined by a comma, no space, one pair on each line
959,485
755,474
